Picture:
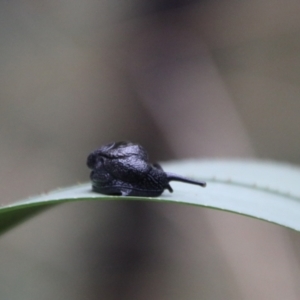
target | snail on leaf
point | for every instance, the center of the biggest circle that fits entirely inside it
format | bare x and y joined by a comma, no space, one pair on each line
123,168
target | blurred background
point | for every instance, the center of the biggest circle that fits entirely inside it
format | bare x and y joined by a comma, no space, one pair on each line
210,79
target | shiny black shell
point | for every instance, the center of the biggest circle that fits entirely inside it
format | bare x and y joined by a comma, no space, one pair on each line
123,168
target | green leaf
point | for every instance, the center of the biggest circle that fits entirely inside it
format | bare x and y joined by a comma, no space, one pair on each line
264,190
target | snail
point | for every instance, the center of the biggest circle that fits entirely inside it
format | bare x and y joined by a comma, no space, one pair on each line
123,168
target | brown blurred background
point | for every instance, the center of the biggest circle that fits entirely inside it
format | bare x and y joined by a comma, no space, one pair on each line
183,78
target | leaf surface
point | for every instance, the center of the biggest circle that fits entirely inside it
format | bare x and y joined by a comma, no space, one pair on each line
264,190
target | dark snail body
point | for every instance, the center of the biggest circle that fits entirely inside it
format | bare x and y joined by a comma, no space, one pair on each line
123,169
